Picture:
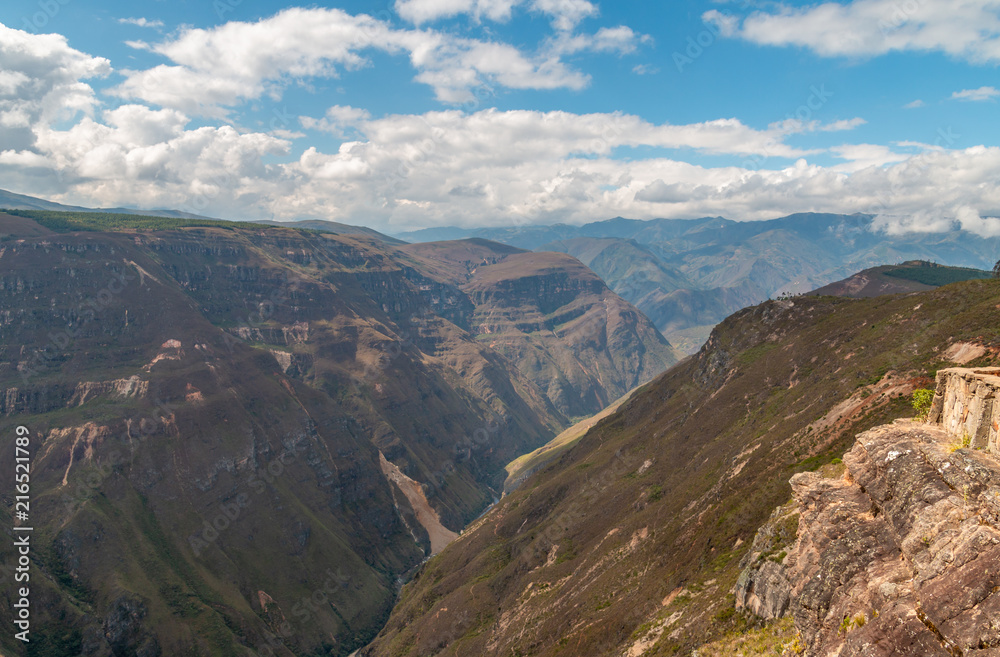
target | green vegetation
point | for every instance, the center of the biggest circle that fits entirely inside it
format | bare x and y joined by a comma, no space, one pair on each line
754,353
936,275
776,638
961,443
65,222
922,398
722,441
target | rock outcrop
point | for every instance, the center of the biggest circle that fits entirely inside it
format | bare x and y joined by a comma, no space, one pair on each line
900,555
965,405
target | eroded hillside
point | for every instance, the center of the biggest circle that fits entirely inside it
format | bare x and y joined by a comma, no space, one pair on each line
565,329
631,542
210,411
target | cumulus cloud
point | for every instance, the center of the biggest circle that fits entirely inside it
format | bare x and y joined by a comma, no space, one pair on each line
451,168
976,95
914,104
141,22
843,124
41,82
447,167
861,156
134,155
964,29
338,120
564,14
213,70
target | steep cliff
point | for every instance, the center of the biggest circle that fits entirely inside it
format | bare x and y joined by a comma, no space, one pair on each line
897,552
213,414
564,328
900,555
631,542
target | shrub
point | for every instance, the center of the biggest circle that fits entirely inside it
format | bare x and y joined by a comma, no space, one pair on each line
922,398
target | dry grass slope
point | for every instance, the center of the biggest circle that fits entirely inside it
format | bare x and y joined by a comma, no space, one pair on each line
629,542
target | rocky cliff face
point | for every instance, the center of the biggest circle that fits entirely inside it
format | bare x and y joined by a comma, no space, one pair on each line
207,409
635,540
581,343
898,550
899,556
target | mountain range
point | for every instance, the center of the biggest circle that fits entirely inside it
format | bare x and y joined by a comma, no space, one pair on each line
670,527
228,419
313,438
688,275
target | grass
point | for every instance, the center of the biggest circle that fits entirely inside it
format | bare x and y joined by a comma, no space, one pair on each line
960,443
777,639
936,275
534,460
66,222
727,429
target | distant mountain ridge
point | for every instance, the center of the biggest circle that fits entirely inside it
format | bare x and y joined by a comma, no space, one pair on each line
688,274
912,276
12,201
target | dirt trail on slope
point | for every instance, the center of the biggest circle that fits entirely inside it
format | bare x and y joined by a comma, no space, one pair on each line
440,535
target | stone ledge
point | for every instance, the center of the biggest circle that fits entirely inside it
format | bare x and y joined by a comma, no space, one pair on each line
965,404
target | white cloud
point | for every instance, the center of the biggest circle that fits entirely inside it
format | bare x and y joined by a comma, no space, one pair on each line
968,218
41,79
447,168
453,168
914,104
964,29
861,156
621,40
337,121
565,14
213,70
843,124
439,168
148,158
419,12
141,22
976,95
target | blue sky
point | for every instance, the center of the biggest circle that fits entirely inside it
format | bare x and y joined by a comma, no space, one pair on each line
408,113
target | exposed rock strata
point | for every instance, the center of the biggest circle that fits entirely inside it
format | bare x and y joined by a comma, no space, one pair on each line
900,556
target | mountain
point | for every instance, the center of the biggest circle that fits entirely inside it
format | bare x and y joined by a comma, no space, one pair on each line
913,276
335,227
546,312
633,541
243,436
687,275
12,201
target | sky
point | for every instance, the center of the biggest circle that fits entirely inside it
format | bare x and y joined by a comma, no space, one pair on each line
403,114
